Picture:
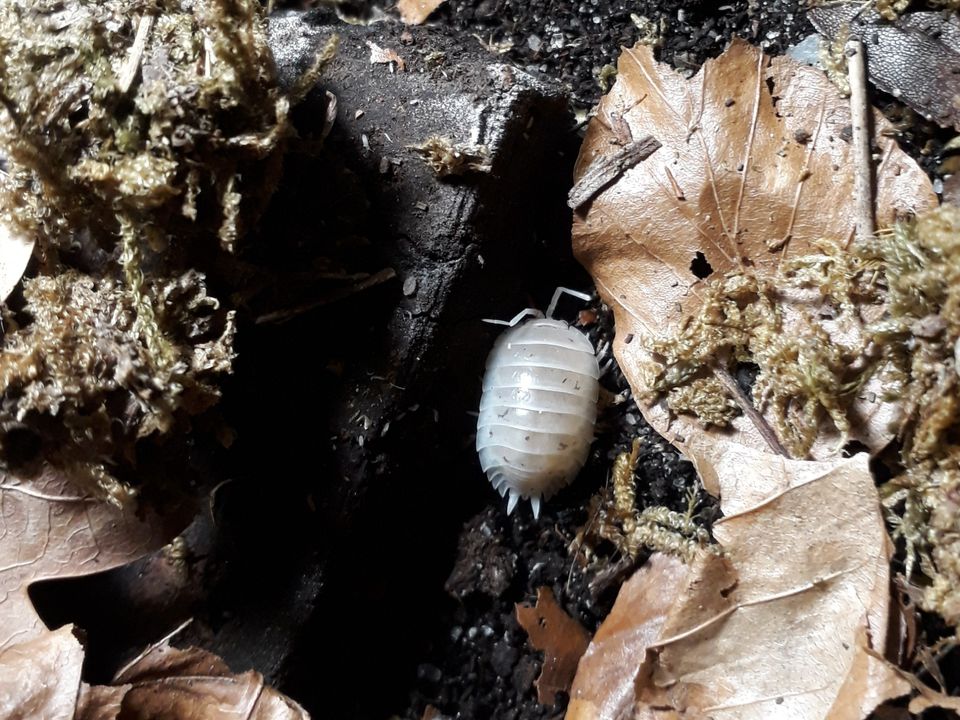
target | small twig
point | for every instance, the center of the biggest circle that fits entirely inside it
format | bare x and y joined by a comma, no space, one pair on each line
606,170
132,66
288,314
746,405
860,119
154,646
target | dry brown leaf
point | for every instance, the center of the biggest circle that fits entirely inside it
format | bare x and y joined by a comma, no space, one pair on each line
167,683
15,252
171,684
416,12
41,679
561,638
604,685
785,623
383,56
753,170
49,530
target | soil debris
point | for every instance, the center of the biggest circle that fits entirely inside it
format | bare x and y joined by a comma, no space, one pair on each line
485,564
386,56
447,158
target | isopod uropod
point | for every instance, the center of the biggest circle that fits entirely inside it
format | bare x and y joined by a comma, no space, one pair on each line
538,407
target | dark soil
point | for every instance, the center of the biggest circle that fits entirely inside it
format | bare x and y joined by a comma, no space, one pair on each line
572,40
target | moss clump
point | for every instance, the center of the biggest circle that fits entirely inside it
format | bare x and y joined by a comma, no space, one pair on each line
907,282
148,112
140,138
80,377
805,373
920,262
615,518
707,399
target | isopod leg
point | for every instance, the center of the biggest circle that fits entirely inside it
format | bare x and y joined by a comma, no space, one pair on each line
564,291
603,354
528,312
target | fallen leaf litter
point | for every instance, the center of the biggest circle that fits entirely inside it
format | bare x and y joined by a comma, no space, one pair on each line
755,144
759,248
861,679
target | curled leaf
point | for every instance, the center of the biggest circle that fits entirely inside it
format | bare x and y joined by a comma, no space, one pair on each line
48,529
41,679
561,638
167,683
604,684
754,172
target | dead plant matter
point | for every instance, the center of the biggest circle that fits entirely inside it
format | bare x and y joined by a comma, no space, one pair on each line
140,139
719,251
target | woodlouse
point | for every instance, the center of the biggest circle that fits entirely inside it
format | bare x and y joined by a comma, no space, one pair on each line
538,407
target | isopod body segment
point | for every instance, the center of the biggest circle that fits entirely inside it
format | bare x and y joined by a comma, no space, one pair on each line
538,409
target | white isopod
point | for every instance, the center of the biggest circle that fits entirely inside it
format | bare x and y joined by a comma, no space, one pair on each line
538,407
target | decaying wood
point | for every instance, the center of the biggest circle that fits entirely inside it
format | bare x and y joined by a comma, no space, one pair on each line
608,169
915,58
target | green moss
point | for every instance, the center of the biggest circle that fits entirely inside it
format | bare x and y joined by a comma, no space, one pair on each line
804,375
141,138
104,129
908,278
921,266
705,398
